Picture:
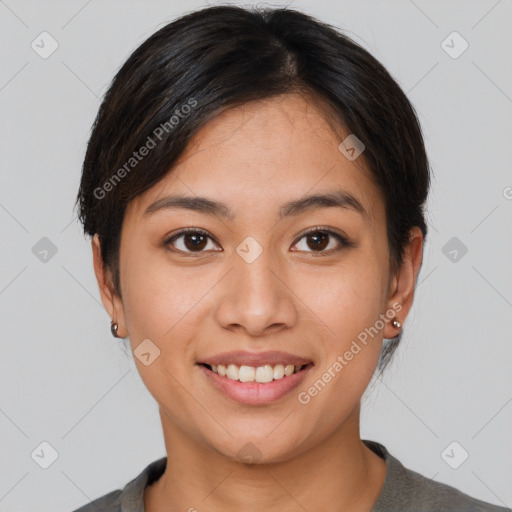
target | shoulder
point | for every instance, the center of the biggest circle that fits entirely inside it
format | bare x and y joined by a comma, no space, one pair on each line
110,502
407,490
131,497
429,495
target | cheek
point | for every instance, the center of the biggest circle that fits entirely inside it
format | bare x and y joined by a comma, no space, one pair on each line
350,305
347,304
347,298
162,304
160,296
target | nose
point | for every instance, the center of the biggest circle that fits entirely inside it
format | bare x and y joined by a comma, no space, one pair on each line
257,297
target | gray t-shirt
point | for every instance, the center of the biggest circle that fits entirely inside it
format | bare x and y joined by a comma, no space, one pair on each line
404,490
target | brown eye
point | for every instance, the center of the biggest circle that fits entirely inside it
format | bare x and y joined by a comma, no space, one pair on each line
319,239
193,241
189,240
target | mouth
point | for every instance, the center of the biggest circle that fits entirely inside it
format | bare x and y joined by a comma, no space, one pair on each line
249,385
260,374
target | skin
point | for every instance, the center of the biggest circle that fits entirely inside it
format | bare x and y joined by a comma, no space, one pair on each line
254,158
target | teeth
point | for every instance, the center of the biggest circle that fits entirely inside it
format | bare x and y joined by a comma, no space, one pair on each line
260,374
289,369
246,374
264,373
278,371
233,372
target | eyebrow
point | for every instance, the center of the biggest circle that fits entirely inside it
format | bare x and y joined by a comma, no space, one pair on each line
335,199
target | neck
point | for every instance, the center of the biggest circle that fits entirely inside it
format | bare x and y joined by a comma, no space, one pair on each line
343,475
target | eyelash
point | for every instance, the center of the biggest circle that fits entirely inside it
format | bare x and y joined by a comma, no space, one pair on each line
345,242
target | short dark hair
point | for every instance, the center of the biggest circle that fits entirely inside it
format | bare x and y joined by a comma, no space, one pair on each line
220,57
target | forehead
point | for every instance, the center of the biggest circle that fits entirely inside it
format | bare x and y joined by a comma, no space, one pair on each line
262,154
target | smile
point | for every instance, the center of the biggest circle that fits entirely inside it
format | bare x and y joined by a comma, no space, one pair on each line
261,374
255,385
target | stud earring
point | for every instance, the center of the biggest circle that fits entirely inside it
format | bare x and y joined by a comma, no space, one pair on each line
113,329
396,324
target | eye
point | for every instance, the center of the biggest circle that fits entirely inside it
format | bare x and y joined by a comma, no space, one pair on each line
320,238
194,240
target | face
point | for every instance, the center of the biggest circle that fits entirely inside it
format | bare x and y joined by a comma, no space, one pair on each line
248,280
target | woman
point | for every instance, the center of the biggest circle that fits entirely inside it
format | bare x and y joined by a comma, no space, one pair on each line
254,186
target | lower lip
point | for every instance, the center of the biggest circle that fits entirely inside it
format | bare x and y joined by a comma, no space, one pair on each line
256,393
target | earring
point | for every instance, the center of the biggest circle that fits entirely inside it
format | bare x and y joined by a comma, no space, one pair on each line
113,329
396,324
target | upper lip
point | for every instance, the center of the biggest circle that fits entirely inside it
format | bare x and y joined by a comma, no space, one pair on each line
243,358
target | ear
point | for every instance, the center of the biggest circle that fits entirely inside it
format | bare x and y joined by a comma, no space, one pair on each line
401,292
112,302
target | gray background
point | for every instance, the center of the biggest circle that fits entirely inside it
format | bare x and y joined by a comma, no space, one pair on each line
66,381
